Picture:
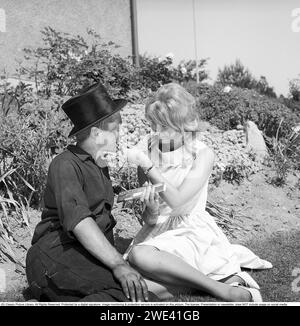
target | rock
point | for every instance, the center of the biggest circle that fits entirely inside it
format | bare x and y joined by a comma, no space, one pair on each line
239,127
2,280
255,140
227,89
296,129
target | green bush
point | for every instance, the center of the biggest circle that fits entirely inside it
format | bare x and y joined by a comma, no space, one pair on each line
286,156
294,88
66,63
235,173
226,110
238,75
235,75
291,104
14,98
26,139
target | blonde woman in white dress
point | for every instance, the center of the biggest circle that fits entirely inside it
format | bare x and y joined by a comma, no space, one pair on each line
180,244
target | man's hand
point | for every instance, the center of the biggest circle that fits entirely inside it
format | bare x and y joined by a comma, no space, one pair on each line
133,284
91,237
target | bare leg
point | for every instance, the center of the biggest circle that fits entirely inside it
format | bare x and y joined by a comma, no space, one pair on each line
232,279
164,267
164,291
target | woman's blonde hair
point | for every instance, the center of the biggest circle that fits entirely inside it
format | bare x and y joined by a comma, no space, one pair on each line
173,106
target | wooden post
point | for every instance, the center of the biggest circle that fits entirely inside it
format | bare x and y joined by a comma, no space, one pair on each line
134,33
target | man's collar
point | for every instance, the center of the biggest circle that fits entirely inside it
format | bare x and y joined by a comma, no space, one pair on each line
80,153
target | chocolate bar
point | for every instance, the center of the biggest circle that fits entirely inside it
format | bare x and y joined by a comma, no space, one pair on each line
138,192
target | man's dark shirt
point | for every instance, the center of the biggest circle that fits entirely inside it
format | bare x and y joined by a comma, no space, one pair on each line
76,188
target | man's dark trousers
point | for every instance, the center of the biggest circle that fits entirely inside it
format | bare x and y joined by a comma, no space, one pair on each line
67,272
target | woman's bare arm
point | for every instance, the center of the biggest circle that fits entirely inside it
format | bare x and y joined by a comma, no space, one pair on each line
149,214
193,182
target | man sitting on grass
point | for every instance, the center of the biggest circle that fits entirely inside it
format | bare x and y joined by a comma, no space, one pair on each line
73,257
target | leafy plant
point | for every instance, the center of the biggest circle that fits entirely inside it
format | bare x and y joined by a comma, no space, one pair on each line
294,88
155,72
8,187
235,75
262,87
187,70
227,110
25,147
67,63
13,98
285,156
239,76
234,173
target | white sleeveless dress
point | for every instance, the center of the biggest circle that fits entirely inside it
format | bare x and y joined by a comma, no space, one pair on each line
190,232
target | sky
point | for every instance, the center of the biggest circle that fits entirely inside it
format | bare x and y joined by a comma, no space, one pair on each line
263,34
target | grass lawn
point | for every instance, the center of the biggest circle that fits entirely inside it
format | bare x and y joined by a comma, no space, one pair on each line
283,251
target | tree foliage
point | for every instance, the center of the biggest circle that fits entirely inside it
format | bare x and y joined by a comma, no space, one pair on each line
239,76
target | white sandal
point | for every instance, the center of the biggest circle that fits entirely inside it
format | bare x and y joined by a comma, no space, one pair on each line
248,280
255,294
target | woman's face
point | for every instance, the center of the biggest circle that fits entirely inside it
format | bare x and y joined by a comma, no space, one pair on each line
166,133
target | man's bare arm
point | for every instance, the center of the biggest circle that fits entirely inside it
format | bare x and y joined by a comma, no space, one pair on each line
91,237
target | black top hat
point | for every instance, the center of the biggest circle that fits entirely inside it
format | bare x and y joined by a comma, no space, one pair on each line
92,105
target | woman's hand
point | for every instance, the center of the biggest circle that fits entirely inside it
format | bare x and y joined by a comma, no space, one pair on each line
150,198
138,157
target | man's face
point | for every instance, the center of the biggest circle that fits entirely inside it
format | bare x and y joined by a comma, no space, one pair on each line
107,139
114,128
